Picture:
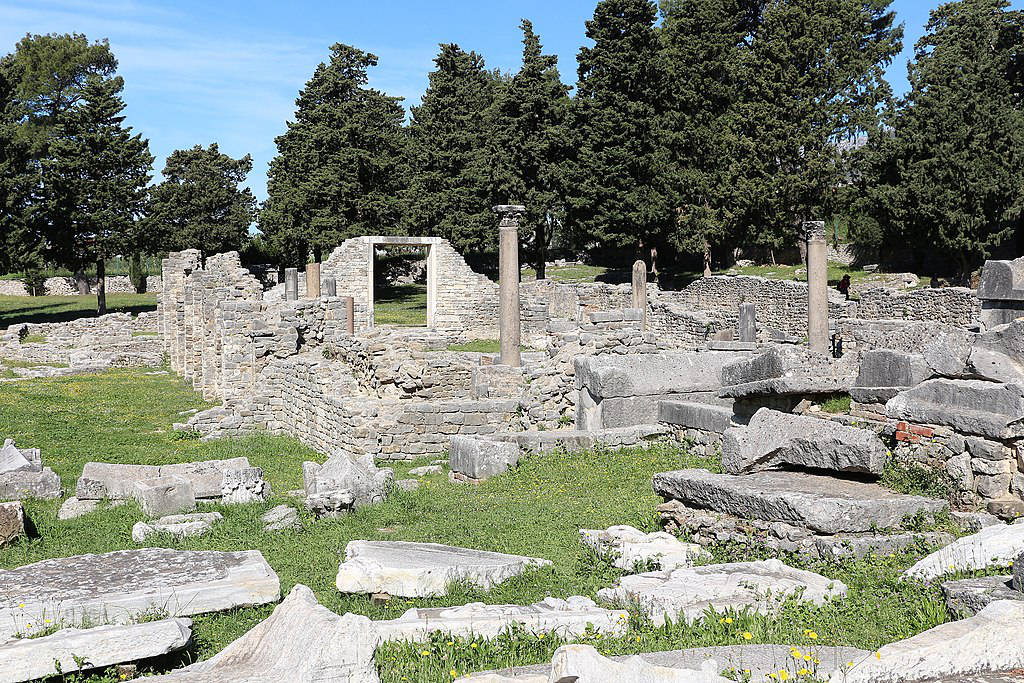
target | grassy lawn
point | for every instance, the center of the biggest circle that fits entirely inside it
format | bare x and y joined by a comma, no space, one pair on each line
574,273
53,309
125,416
400,305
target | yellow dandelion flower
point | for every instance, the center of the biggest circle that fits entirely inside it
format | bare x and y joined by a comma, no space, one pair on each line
540,636
783,675
807,658
21,605
747,635
728,620
878,654
812,635
722,620
454,673
803,672
795,653
849,664
28,625
46,621
474,646
425,653
638,639
450,643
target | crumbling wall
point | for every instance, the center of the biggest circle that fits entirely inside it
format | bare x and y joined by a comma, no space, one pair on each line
957,306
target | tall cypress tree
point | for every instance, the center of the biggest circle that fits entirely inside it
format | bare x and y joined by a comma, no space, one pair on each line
950,172
618,181
96,176
21,244
531,142
338,171
812,79
452,184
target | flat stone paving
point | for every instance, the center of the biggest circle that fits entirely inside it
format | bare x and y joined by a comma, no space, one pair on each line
822,504
115,587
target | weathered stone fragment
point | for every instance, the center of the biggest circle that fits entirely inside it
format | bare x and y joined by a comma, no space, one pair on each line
890,368
122,585
992,640
244,485
358,475
300,642
574,440
73,507
426,470
785,370
423,569
12,522
195,524
967,597
676,372
685,594
704,416
998,354
1018,573
478,459
976,407
12,460
823,504
772,439
585,663
631,547
993,546
882,544
116,481
566,617
165,496
22,474
74,649
280,518
331,503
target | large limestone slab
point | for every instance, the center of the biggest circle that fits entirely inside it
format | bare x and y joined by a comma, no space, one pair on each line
685,594
998,354
566,617
773,439
300,642
584,664
12,459
75,649
994,546
647,374
967,597
689,415
22,474
629,547
423,569
477,458
822,504
574,440
117,481
118,586
785,370
992,640
969,406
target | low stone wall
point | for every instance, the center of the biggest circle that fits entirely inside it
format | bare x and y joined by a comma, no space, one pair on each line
67,286
957,306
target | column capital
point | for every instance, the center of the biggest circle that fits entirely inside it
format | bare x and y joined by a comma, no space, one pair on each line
510,214
814,230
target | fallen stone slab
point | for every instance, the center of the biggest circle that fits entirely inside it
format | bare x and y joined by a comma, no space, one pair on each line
997,353
12,522
119,586
413,570
195,524
759,660
280,518
822,504
583,663
690,415
164,496
685,594
967,597
358,475
785,370
990,641
13,460
244,485
39,482
117,481
73,507
575,440
891,368
629,547
648,374
75,649
970,406
570,617
478,459
993,546
300,642
426,470
773,439
882,544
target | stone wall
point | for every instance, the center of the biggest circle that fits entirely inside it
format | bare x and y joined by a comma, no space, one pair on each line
957,306
67,286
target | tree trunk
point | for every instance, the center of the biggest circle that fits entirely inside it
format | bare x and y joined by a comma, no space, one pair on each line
542,250
82,282
707,259
101,287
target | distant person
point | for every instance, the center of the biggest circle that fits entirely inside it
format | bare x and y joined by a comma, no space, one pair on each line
844,286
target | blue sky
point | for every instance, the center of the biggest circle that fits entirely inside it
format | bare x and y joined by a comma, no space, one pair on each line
228,72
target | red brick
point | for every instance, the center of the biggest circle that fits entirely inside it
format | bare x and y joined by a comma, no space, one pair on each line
921,431
909,438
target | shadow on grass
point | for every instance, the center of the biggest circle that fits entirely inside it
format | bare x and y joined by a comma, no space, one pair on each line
35,310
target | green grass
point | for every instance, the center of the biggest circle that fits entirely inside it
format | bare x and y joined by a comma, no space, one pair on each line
34,339
52,309
114,266
18,363
400,305
125,415
836,403
478,346
574,273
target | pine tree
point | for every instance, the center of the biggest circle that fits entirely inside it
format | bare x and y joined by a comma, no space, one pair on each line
452,186
95,178
949,173
812,80
339,168
199,204
617,177
530,137
20,243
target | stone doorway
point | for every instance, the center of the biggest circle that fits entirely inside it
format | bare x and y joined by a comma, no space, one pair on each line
402,282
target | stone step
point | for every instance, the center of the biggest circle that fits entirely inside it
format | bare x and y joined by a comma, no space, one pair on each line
822,504
706,417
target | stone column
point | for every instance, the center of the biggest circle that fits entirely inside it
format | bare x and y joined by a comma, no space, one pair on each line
312,280
817,286
508,283
350,314
291,284
330,287
640,290
748,323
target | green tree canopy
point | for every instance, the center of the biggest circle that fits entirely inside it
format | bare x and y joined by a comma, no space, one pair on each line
451,185
531,142
21,244
199,204
339,169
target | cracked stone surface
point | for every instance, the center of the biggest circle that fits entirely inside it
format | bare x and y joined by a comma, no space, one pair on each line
631,547
993,546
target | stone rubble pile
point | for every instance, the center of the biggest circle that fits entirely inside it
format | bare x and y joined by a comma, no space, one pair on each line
344,483
22,474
